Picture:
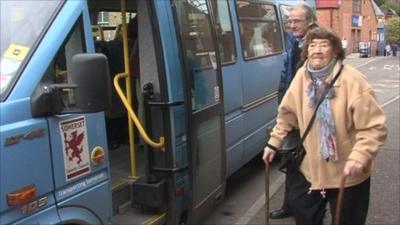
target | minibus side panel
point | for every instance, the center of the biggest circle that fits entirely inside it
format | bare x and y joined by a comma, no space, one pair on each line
74,138
250,91
28,139
88,206
57,142
45,216
23,145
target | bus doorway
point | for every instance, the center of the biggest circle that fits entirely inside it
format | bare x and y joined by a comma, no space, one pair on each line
204,104
181,102
138,157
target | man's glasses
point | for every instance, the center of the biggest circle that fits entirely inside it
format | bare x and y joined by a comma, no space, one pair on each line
295,21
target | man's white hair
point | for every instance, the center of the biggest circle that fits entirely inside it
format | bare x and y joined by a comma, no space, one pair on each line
309,12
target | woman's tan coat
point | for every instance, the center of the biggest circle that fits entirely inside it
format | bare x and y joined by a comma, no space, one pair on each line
359,120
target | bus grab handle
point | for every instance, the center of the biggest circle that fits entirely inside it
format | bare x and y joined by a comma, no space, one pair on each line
161,144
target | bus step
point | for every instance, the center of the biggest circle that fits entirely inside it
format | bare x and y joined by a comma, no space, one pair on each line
121,197
124,207
152,195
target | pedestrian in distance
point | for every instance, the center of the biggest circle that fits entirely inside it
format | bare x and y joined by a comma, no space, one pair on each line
388,50
343,140
394,47
301,19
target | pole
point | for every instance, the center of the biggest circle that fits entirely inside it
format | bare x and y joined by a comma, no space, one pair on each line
267,193
340,200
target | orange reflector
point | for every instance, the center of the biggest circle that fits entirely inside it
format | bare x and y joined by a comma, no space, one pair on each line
98,155
21,195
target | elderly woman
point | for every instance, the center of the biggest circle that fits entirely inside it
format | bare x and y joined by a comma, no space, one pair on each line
343,140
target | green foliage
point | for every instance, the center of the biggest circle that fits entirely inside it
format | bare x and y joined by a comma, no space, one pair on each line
393,33
379,2
391,5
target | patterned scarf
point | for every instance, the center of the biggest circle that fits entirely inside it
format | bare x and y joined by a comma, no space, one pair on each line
326,125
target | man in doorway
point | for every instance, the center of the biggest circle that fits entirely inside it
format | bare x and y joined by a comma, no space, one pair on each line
301,19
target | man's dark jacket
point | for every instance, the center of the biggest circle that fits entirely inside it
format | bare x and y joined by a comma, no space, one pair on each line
292,62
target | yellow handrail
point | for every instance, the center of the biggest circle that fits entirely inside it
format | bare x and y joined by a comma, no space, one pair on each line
128,89
159,145
127,99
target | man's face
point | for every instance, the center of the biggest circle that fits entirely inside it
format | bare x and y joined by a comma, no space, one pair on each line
298,23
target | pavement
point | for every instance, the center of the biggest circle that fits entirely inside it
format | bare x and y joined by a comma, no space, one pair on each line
384,208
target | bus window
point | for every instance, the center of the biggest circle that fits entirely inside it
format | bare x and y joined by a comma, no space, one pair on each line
110,24
22,22
199,47
58,69
224,30
285,10
259,29
197,36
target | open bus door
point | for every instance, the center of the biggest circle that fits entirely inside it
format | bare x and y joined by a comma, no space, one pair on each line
204,104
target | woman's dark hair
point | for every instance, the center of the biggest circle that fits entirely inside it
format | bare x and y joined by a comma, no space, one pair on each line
322,33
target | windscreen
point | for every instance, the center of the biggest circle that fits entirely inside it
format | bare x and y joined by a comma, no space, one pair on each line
22,22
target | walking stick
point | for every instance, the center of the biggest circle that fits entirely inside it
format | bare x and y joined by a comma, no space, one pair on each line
340,200
267,193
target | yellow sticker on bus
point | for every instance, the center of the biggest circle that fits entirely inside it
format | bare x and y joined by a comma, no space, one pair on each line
17,52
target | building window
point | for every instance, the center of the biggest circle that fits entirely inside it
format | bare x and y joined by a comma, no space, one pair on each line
357,6
103,18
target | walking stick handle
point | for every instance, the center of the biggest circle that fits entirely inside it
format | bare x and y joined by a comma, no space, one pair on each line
340,200
267,193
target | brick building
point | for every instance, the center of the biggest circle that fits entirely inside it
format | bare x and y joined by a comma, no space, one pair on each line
353,20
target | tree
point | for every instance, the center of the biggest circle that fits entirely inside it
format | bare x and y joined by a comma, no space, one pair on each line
393,32
379,2
391,5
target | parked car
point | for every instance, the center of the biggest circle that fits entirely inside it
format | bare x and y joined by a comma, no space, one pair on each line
364,49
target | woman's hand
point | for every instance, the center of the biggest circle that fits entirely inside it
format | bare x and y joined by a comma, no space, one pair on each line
268,155
353,168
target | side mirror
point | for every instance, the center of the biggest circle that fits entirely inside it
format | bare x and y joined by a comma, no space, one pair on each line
88,90
91,75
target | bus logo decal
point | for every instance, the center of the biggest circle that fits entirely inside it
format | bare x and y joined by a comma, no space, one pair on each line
13,140
75,147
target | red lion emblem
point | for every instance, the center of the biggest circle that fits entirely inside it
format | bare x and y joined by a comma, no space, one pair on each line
74,144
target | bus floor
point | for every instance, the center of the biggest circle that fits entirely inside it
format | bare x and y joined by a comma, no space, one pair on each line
129,213
120,163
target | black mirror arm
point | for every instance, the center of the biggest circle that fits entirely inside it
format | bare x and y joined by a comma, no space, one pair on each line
49,100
